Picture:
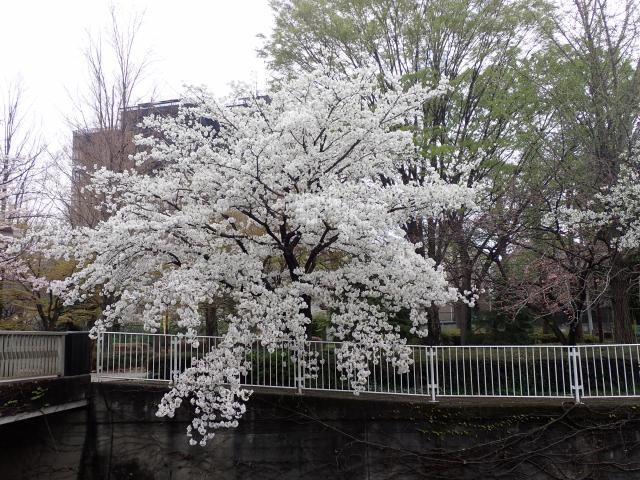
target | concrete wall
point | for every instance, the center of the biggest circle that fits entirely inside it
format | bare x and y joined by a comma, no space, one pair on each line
291,437
32,395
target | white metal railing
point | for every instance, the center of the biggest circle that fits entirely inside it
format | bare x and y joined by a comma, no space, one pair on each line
531,371
31,354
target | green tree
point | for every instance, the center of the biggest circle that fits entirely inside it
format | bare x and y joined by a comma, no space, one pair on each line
479,134
589,83
30,303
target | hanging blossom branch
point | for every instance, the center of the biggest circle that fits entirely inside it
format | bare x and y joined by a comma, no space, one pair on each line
254,206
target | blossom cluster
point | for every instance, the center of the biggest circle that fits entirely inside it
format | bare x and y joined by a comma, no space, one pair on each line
614,210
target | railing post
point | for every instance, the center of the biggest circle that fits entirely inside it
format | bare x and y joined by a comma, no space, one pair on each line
173,358
433,385
299,372
61,351
576,384
99,350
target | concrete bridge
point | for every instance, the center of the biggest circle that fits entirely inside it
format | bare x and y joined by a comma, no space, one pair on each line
43,373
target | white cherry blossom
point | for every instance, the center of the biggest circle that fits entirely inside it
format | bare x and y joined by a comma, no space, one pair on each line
280,206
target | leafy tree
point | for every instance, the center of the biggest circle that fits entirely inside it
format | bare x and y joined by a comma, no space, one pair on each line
590,84
477,135
21,202
33,305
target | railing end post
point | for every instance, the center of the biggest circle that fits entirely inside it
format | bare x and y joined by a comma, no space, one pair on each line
99,352
433,385
576,384
300,378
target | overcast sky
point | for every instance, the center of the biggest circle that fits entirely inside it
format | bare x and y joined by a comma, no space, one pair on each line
210,42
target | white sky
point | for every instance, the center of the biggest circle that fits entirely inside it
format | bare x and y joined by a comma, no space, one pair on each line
208,42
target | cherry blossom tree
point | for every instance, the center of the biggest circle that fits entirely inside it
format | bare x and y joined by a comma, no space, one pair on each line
592,68
279,203
617,208
483,133
609,220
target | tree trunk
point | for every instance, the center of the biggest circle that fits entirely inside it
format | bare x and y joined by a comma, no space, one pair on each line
553,326
623,331
575,326
599,314
211,320
306,311
465,323
462,315
464,310
435,328
2,309
464,268
589,312
575,332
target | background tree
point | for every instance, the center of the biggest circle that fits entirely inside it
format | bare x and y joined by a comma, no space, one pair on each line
477,135
102,132
21,175
21,170
33,305
589,83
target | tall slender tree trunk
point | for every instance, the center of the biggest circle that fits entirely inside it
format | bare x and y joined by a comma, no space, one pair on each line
306,311
623,328
599,324
2,312
465,311
211,320
589,310
464,319
464,269
598,311
576,333
435,329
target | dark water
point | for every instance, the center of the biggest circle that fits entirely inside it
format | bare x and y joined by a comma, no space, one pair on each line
119,437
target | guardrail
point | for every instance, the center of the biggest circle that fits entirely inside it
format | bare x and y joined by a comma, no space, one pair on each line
531,371
31,354
25,355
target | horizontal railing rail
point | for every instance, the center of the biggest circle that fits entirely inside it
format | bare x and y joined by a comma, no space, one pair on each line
515,371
